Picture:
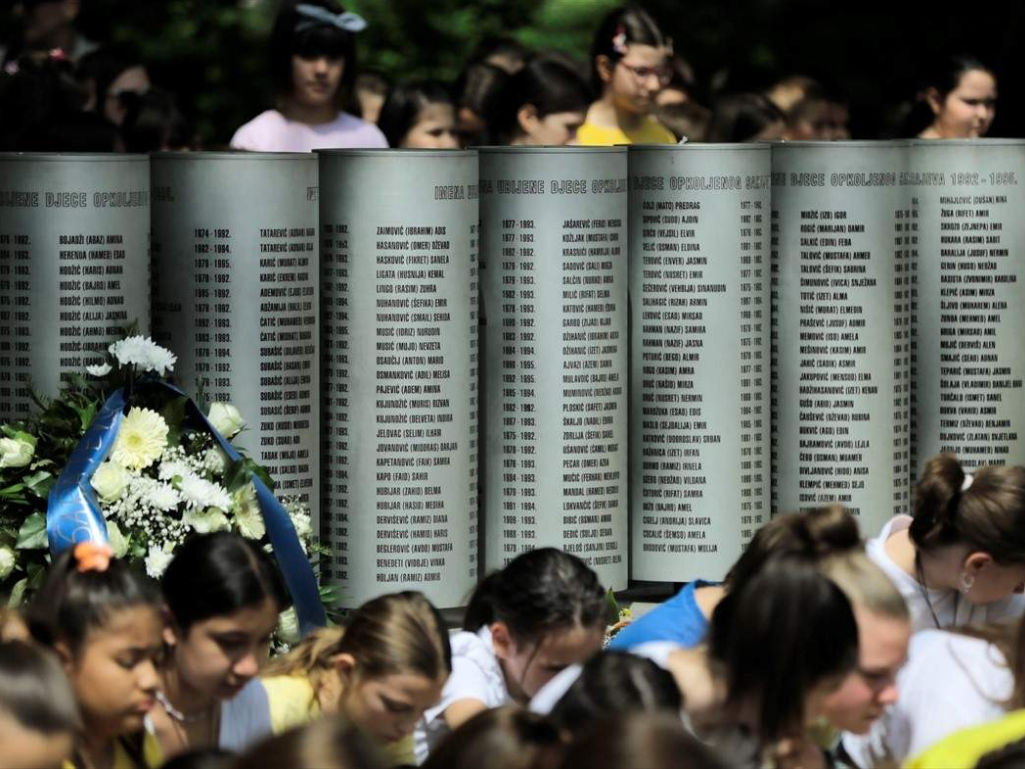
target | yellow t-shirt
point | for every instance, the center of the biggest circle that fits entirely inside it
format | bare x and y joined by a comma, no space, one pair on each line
293,702
966,747
649,132
152,755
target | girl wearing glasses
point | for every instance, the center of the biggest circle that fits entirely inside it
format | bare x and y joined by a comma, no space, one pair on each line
629,66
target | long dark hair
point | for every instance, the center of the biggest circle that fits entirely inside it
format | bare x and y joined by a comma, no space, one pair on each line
289,39
217,574
777,636
547,84
537,592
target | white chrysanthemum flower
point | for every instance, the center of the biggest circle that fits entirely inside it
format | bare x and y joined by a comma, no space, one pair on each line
143,352
99,370
110,481
198,493
7,562
225,419
140,439
206,521
162,496
118,541
157,560
171,468
248,517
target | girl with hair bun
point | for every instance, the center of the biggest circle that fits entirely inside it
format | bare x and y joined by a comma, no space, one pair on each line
313,65
380,672
542,104
960,558
524,624
222,598
683,619
103,621
629,66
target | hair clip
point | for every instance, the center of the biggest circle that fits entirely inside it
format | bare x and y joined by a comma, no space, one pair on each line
619,40
316,16
967,482
92,556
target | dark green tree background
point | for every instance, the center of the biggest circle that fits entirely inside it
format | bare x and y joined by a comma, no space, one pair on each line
212,54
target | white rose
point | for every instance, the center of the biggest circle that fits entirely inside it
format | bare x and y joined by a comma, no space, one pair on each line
118,542
226,419
7,561
158,560
98,371
110,481
205,522
17,451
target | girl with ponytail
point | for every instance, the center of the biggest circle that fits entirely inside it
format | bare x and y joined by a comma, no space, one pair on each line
103,621
380,672
960,558
540,614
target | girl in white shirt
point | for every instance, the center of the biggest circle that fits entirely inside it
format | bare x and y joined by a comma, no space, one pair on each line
960,559
543,612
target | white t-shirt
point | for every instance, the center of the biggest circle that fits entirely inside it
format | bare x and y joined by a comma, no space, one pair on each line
951,608
271,131
476,675
950,682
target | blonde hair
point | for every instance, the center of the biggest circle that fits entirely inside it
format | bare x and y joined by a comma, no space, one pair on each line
395,633
865,584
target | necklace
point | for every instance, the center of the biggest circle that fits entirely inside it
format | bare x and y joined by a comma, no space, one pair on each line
177,715
920,577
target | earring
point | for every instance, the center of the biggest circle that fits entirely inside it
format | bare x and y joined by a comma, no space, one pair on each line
967,581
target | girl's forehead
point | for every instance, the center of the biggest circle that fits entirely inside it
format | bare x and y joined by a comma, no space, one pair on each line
128,624
649,54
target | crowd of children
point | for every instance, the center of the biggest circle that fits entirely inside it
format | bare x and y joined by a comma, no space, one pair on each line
634,88
818,650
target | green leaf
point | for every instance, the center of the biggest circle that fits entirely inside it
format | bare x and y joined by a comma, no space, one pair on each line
14,490
17,593
40,483
32,534
611,608
85,414
173,413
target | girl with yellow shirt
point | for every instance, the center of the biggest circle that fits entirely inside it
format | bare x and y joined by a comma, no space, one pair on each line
381,672
103,621
628,68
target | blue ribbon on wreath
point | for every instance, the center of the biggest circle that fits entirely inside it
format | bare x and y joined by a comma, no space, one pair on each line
73,512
